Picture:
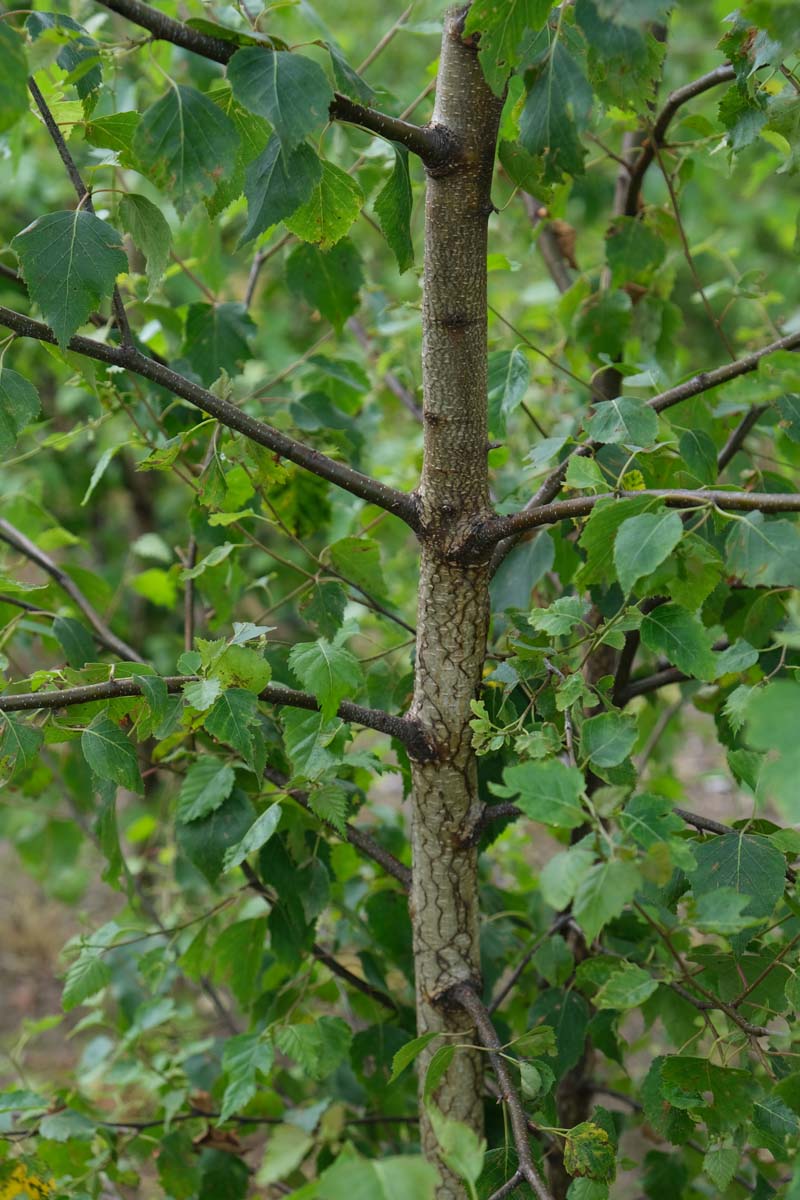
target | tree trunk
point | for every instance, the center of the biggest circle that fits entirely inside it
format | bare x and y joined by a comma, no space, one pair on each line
453,606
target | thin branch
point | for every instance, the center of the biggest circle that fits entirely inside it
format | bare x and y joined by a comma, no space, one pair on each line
401,504
762,975
498,528
511,982
321,955
738,435
202,1114
402,728
706,380
433,145
83,194
358,838
714,1004
674,101
507,1188
649,683
547,244
466,996
14,537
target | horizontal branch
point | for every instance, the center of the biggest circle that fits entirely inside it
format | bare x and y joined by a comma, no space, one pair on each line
358,838
401,504
431,144
404,730
580,506
706,380
466,996
649,683
15,538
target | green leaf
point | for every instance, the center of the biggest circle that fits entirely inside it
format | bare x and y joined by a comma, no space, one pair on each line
148,227
75,640
408,1053
217,338
328,281
509,379
393,209
358,559
723,911
720,1166
347,79
437,1068
699,454
557,107
329,671
634,12
549,792
79,55
628,987
208,782
623,421
205,841
277,184
110,754
589,1151
599,535
230,720
682,638
608,739
115,132
257,836
764,552
603,893
566,1013
318,1048
399,1177
747,863
185,143
633,251
19,403
330,210
85,977
70,261
289,90
330,804
14,73
462,1150
642,543
732,1089
501,28
19,741
563,873
244,1056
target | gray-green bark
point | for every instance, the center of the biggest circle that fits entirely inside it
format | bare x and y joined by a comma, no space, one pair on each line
453,596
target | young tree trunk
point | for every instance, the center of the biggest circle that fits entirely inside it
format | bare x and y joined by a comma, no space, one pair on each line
453,607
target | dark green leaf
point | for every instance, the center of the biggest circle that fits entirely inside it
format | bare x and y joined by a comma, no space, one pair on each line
623,421
329,671
642,543
206,840
146,224
764,552
75,640
393,210
277,184
328,281
19,403
682,639
501,28
748,863
289,90
110,754
14,73
557,107
208,782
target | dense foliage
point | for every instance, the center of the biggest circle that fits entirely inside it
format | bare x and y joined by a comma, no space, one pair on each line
211,428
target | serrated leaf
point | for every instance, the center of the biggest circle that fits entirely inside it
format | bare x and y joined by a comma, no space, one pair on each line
277,184
642,543
185,143
563,873
208,782
627,988
230,720
85,977
603,893
549,792
14,73
330,804
623,421
257,836
19,741
110,755
70,261
358,559
217,338
19,404
318,1048
244,1056
202,694
608,739
764,552
501,28
393,209
598,536
289,90
205,841
589,1152
328,281
115,132
329,671
682,638
330,210
747,863
79,55
408,1053
557,107
148,227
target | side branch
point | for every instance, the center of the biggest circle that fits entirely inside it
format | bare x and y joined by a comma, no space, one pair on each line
706,380
466,996
656,136
401,504
431,144
580,506
403,729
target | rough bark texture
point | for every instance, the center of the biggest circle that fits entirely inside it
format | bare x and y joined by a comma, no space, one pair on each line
453,597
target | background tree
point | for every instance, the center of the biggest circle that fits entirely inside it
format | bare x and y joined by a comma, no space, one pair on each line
223,491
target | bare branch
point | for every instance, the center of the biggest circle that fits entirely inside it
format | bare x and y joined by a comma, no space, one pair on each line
465,995
401,504
14,537
433,145
656,138
738,436
511,982
580,506
402,728
547,245
706,380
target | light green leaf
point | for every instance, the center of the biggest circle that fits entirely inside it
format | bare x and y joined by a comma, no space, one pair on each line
329,671
148,227
682,638
747,863
406,1054
257,836
628,987
642,543
608,739
723,911
318,1048
70,261
599,534
461,1148
563,873
242,667
509,379
623,421
288,1145
110,754
244,1056
393,210
202,694
328,281
185,143
289,90
549,792
208,782
330,210
603,893
720,1166
14,73
277,184
86,976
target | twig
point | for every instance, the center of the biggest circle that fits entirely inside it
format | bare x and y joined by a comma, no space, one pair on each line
547,244
507,1188
14,537
402,504
511,982
738,436
465,995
